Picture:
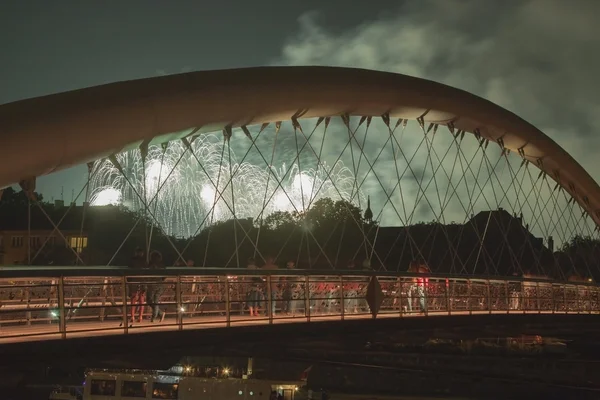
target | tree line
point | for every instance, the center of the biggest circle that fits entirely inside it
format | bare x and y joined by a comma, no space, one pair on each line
329,234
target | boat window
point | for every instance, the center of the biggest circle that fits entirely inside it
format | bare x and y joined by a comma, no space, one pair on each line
103,387
133,389
167,391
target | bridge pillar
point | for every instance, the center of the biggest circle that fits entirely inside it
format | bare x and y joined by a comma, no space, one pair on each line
374,296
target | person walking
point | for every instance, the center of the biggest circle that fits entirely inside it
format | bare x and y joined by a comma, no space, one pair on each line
271,266
136,287
156,288
254,293
287,291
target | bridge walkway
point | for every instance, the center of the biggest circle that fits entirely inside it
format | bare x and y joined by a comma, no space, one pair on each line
49,304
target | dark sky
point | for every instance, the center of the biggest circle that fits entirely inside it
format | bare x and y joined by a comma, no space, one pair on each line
538,58
53,46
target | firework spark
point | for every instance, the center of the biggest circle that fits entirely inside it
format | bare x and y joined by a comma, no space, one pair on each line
188,190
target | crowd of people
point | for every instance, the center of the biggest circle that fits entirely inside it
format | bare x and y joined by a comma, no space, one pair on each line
289,295
149,291
285,293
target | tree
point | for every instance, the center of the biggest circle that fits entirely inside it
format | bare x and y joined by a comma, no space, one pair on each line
14,208
325,212
10,197
328,232
281,220
584,255
579,243
109,226
348,212
320,214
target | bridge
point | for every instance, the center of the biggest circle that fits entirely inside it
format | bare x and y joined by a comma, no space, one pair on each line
59,303
378,192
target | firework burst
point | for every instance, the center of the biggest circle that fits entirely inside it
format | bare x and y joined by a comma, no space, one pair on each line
188,190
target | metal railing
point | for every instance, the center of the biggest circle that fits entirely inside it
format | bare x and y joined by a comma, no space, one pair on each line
38,304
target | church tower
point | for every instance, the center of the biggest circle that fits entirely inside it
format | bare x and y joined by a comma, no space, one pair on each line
368,213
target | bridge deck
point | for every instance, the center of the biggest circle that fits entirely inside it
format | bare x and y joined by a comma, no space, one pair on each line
18,334
64,307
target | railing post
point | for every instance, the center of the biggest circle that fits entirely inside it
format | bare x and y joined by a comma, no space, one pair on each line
125,298
470,308
400,288
425,298
577,298
104,297
227,303
269,300
565,298
524,303
61,309
447,291
179,302
342,299
489,297
28,306
537,292
507,297
307,298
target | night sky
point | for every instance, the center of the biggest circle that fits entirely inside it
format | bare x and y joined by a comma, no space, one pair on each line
538,58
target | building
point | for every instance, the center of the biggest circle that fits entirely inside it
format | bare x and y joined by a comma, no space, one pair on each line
34,240
20,246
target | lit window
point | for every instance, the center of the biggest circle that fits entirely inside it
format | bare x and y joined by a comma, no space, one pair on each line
78,243
162,390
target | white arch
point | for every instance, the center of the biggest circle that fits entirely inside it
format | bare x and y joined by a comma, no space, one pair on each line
41,135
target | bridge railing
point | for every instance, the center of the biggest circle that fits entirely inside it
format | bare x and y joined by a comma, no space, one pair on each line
66,303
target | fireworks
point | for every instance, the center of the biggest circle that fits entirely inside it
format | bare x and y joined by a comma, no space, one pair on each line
187,190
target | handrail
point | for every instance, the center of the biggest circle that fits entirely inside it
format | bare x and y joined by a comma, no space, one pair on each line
98,271
61,303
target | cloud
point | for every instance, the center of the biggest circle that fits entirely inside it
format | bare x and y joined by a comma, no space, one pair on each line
537,58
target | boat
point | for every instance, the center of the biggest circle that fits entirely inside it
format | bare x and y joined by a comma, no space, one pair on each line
183,383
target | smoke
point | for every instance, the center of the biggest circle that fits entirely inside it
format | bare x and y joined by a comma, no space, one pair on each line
537,58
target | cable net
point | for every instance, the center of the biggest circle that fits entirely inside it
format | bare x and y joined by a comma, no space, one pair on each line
375,193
